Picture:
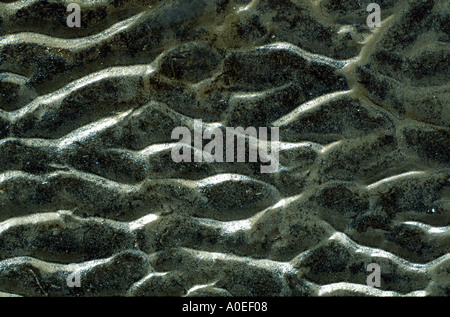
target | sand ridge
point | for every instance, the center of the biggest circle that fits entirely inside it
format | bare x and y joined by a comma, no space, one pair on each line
88,186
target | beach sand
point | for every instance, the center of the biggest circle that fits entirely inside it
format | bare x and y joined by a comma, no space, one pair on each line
89,189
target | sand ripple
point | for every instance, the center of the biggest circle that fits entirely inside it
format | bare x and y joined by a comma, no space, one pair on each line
88,186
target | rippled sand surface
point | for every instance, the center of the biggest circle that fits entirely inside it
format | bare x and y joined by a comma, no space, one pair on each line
88,185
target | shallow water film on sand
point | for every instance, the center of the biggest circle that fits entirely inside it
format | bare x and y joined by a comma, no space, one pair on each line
225,148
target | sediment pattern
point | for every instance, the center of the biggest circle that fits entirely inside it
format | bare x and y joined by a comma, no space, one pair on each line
88,185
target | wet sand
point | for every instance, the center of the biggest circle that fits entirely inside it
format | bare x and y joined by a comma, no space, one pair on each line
88,185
